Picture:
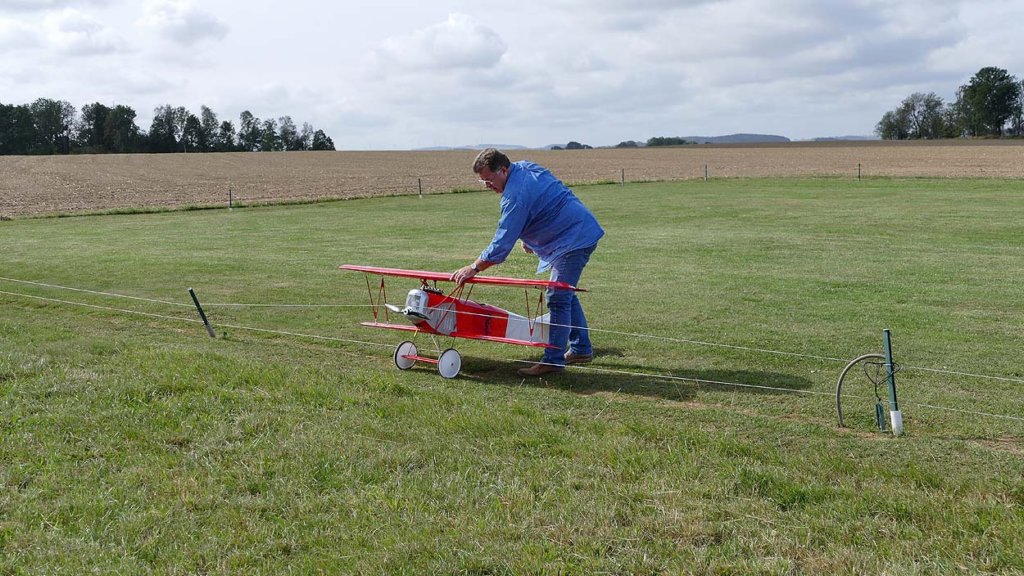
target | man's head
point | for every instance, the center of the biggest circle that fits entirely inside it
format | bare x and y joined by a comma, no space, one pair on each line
492,167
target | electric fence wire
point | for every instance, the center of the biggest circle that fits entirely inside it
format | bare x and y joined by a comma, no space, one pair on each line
746,348
659,376
196,321
82,290
656,376
595,369
165,302
590,328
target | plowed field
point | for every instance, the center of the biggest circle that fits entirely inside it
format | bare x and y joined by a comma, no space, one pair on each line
33,185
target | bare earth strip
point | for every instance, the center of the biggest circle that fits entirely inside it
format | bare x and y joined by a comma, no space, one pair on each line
34,185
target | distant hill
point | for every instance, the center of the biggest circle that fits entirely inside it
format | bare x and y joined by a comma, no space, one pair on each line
727,139
736,139
473,147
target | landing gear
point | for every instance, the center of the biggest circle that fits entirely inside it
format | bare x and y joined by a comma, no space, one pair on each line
405,355
449,363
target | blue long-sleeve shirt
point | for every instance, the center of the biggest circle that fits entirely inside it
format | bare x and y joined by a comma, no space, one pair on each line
540,209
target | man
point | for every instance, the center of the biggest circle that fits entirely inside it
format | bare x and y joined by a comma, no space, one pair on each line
553,224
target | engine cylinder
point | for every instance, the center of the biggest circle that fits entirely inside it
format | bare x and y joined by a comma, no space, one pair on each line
417,301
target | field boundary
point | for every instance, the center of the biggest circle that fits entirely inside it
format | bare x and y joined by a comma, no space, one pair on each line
88,184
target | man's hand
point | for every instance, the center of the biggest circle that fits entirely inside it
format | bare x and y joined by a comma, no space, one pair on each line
462,274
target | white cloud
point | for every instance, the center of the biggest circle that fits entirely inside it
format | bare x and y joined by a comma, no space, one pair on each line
16,35
181,22
984,40
408,73
636,16
74,33
46,5
459,42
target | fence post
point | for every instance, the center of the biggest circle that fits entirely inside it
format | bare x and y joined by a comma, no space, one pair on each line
419,182
622,178
705,172
202,315
895,416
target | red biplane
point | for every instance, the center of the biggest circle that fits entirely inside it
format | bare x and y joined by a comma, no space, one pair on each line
431,311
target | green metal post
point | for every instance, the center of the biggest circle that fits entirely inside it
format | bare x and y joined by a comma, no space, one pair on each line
895,416
206,322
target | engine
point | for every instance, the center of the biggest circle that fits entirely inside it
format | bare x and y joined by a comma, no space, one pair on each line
417,304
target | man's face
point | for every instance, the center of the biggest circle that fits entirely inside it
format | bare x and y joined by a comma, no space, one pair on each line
494,180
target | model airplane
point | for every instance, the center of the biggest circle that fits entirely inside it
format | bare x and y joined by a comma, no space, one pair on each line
431,311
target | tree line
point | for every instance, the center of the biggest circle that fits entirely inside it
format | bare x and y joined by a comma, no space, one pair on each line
654,142
990,104
667,141
55,127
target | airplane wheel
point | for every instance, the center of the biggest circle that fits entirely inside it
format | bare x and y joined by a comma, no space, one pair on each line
404,349
449,363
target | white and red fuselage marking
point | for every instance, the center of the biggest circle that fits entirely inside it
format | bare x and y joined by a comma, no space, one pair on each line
446,315
468,319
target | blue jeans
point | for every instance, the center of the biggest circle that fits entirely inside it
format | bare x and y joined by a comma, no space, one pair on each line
568,324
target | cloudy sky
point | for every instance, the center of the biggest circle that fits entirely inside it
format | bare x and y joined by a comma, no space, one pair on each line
401,74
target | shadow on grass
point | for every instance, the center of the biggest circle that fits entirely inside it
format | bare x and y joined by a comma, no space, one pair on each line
607,375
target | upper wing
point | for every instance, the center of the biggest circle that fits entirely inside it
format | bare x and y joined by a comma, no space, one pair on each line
425,276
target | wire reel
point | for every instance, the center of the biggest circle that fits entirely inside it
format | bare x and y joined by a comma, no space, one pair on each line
873,367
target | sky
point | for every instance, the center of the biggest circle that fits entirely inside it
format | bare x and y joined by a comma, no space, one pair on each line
399,75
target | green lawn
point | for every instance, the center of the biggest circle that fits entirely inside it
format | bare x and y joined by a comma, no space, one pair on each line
703,439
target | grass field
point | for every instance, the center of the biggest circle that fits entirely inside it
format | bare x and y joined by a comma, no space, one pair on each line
703,439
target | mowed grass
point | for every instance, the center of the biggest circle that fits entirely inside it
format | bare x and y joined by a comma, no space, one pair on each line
703,439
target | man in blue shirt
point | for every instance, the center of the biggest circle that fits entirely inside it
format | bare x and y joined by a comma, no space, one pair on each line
553,224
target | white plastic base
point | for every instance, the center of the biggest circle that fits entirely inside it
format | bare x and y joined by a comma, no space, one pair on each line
896,418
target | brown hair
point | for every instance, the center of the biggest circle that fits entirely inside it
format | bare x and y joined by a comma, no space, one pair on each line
492,159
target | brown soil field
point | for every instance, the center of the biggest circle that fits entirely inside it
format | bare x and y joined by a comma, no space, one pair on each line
40,185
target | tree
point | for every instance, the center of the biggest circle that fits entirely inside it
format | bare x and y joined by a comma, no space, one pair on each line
163,132
91,127
918,116
307,136
17,129
1017,120
192,133
667,141
894,125
226,137
926,115
988,101
289,133
250,132
208,132
53,121
271,139
120,132
54,126
953,121
322,141
181,118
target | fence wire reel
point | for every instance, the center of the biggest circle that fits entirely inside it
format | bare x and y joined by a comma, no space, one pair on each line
874,368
